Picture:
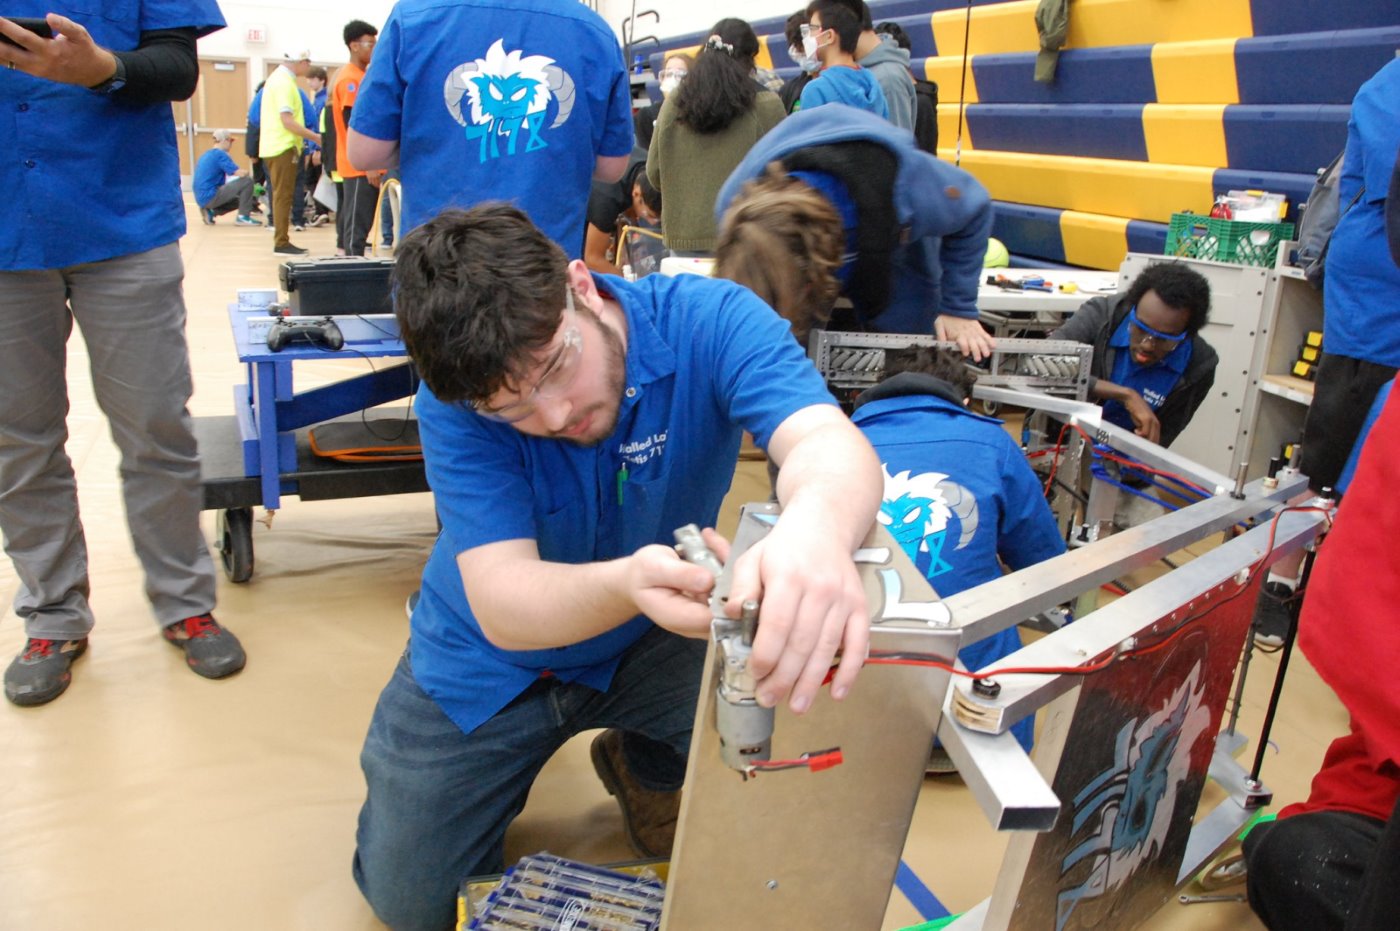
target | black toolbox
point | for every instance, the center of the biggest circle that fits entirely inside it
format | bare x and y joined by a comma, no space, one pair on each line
337,285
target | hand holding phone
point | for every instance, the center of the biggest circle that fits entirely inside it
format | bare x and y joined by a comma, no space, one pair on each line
40,27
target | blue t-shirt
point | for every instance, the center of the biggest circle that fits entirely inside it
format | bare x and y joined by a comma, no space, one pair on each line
88,177
959,495
1361,291
1154,382
705,360
210,172
498,100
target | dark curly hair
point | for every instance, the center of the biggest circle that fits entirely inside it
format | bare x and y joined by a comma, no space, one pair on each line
478,293
929,360
1180,287
719,89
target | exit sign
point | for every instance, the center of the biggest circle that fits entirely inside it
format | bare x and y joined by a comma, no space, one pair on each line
257,35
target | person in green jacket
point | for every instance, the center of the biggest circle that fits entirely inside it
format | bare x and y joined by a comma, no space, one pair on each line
704,130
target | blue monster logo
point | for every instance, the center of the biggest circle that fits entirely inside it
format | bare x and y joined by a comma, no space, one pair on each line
1128,808
916,511
507,96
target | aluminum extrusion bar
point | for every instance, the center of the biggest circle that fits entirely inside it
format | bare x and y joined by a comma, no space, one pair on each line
1115,626
994,606
1156,456
1010,790
1084,412
1209,835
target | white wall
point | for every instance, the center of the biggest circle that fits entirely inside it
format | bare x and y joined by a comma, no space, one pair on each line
679,16
294,25
289,27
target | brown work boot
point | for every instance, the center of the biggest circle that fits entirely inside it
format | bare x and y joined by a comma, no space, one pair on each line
648,816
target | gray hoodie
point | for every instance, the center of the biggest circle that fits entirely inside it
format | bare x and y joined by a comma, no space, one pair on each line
890,65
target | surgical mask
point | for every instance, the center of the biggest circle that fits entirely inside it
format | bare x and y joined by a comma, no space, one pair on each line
807,63
669,85
809,46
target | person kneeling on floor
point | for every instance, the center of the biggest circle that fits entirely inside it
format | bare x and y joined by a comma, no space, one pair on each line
570,422
220,185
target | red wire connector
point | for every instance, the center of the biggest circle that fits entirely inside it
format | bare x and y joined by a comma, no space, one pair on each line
816,761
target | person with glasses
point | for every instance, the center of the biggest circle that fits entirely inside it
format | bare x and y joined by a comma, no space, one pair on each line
570,423
831,38
673,71
1151,368
791,91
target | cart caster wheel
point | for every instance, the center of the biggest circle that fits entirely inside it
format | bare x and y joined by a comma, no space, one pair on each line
990,408
235,530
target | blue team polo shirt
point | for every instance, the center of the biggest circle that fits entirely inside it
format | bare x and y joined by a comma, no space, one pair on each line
209,174
1154,382
494,100
959,498
705,360
67,153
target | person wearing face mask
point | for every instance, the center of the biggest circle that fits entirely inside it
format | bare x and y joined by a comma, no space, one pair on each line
791,92
831,37
673,72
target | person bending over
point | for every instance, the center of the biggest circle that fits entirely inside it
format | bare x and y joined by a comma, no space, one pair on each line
909,230
1151,367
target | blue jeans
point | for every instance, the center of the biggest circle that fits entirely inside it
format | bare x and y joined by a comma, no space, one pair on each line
440,800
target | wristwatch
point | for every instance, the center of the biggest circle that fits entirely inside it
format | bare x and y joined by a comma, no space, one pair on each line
115,83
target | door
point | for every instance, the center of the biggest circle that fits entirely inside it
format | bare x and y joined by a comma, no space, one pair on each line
220,102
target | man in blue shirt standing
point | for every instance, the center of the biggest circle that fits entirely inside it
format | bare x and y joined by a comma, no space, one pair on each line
570,423
220,185
114,269
474,100
1151,368
959,495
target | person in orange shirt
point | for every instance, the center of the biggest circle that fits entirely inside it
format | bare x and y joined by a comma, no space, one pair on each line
361,191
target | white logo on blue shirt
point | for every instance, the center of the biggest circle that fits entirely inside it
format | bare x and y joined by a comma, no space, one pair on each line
639,452
916,510
507,96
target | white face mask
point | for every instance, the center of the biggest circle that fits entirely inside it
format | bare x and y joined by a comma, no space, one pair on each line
809,46
669,85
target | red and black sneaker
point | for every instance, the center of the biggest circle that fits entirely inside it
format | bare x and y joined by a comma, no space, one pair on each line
41,673
211,651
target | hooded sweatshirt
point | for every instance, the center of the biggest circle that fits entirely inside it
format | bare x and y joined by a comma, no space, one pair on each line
890,65
855,87
943,215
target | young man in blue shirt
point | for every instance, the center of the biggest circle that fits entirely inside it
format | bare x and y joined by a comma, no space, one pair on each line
959,495
519,100
1151,367
220,185
114,269
831,37
569,425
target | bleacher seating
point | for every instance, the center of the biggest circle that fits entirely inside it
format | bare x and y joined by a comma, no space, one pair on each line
1157,106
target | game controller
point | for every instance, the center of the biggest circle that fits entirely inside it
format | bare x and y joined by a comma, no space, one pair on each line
324,334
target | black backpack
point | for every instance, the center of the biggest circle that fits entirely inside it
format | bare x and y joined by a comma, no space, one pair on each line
1319,220
926,115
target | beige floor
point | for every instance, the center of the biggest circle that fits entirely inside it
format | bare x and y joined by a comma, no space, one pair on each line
147,798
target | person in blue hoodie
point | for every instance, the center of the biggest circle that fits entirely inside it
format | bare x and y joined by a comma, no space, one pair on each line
911,230
959,496
831,37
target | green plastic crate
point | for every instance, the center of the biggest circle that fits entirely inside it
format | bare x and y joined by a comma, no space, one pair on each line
1241,242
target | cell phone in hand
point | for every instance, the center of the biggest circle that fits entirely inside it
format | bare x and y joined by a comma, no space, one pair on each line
40,27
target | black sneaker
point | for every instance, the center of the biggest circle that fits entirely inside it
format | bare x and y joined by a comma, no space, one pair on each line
211,651
41,673
1271,614
290,249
